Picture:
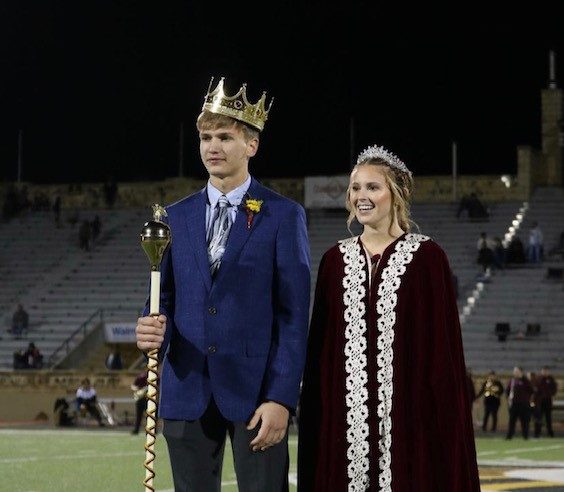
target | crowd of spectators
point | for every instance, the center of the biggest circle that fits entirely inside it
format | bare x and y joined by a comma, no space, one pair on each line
493,254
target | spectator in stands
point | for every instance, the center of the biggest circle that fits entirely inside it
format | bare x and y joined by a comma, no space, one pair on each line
471,390
536,242
110,192
473,207
463,206
485,252
20,321
85,235
491,390
33,357
9,207
96,226
499,253
113,360
86,401
20,361
515,251
139,388
57,211
546,390
385,285
73,219
519,392
559,248
455,285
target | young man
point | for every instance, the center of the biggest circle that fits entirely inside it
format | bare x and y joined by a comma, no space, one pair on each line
519,392
234,311
546,390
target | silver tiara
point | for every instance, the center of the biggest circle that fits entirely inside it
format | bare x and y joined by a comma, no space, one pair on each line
376,152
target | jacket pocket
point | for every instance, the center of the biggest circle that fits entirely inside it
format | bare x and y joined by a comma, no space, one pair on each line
257,348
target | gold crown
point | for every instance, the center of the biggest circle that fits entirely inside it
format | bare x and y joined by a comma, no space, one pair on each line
237,106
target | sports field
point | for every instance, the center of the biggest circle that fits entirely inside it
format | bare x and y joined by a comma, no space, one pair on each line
91,460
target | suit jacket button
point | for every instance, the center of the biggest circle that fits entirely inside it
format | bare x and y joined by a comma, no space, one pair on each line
212,310
212,349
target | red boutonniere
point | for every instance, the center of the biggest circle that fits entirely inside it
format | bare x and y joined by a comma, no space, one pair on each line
252,207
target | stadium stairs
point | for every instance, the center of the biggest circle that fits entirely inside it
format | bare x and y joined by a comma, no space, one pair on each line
520,296
65,289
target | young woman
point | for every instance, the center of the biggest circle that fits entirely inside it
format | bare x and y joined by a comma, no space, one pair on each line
384,402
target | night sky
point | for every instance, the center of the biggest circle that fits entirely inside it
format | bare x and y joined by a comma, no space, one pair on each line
100,88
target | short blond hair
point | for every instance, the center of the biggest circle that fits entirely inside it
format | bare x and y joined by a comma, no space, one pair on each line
400,185
212,121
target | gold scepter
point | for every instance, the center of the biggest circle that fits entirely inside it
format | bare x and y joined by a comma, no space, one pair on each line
155,238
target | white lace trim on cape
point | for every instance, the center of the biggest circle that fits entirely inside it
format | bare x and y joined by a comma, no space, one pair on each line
356,363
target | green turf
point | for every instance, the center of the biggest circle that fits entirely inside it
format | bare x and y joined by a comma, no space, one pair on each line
94,460
517,449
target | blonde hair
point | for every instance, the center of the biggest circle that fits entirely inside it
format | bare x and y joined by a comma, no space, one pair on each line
213,121
400,185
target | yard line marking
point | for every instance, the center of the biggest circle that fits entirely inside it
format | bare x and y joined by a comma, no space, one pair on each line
66,457
66,432
519,485
527,450
522,463
546,474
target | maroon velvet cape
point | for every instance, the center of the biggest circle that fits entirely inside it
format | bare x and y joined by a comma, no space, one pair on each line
432,442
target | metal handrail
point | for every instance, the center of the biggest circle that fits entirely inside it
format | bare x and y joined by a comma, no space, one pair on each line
66,345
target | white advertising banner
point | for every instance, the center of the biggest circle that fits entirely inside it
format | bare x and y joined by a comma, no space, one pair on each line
325,191
120,332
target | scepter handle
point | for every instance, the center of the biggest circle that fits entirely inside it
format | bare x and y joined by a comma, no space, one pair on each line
152,370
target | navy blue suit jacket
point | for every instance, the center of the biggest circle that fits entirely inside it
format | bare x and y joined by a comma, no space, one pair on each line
242,336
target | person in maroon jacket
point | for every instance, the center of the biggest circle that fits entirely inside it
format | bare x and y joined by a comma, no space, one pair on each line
139,388
519,391
546,390
384,403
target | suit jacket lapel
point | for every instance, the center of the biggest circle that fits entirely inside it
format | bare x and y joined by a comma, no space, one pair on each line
240,233
196,223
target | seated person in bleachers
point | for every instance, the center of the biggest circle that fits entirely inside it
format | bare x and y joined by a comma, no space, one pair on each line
86,401
474,207
33,357
516,251
559,248
96,226
485,251
499,253
536,242
20,361
85,235
463,206
455,285
20,321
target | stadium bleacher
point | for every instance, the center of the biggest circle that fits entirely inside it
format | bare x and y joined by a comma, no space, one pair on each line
62,286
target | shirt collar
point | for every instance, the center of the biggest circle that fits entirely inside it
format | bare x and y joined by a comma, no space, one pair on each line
235,196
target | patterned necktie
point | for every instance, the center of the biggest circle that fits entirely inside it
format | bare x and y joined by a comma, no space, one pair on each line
218,233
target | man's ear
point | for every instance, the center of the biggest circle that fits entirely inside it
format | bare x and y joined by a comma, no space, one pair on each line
252,147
